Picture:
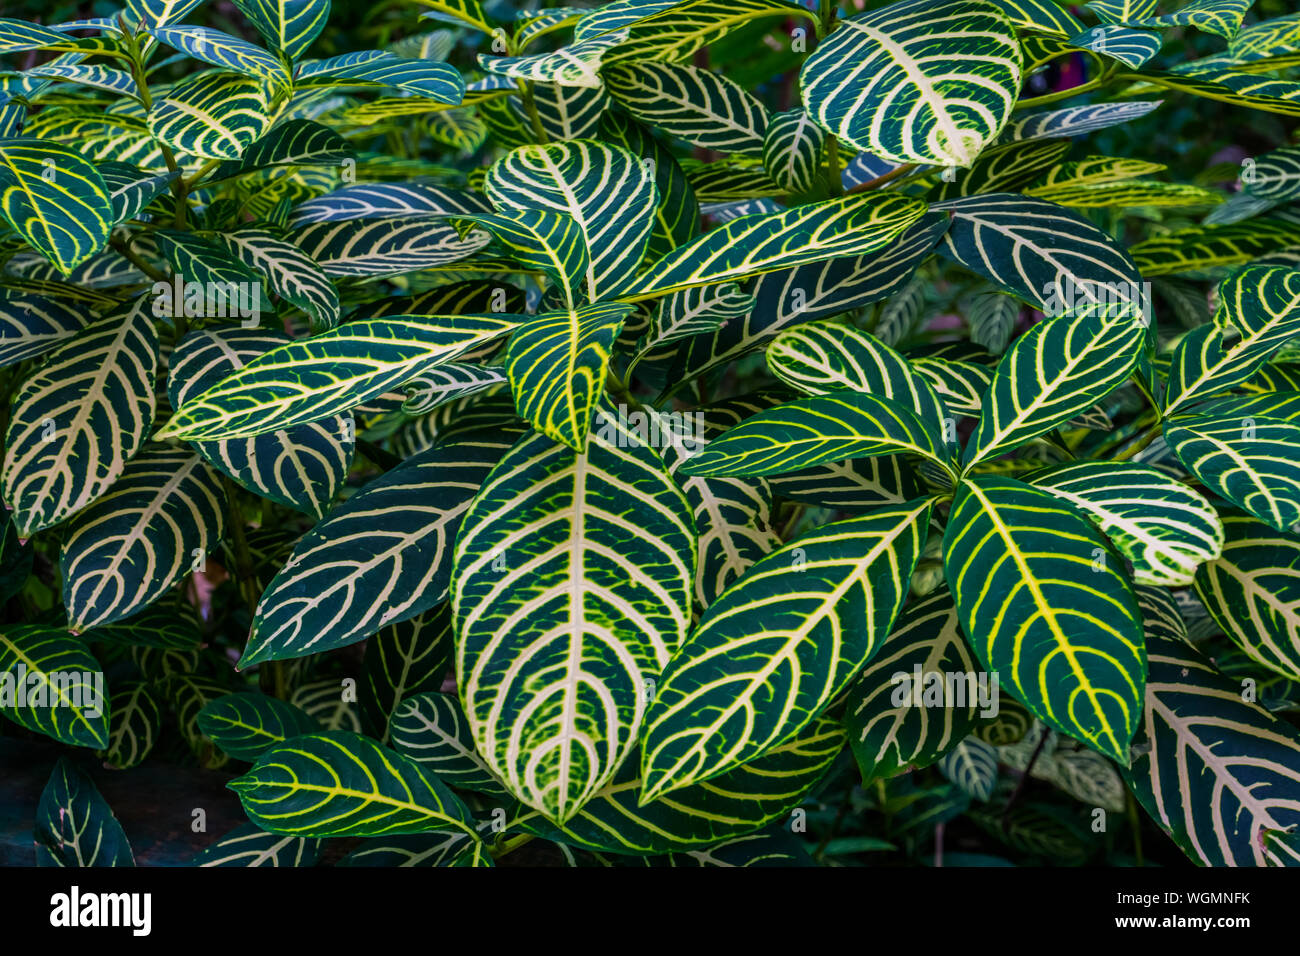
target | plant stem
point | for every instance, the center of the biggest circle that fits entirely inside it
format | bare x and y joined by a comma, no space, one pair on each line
883,179
243,557
1096,83
501,848
618,388
1141,443
826,14
124,248
146,100
530,107
834,177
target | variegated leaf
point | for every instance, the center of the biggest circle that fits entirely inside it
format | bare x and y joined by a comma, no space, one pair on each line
382,556
77,420
1042,606
317,378
152,527
1163,527
557,364
55,199
779,645
572,583
889,83
750,245
705,109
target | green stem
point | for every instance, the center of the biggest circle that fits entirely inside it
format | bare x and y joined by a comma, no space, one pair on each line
834,177
243,557
1096,83
826,13
530,107
501,848
124,248
1151,435
146,100
618,388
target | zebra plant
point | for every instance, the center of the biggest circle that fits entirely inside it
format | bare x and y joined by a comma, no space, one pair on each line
569,427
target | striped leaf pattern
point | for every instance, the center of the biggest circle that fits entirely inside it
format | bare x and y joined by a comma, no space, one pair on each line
1163,527
572,583
1056,370
222,49
71,709
733,517
777,646
383,200
309,380
247,725
750,245
1042,605
460,13
824,357
431,729
1276,175
289,26
342,784
423,849
705,109
248,845
301,466
75,827
55,199
557,363
1217,773
607,191
1252,461
31,325
810,431
973,766
149,530
739,801
892,724
1132,48
678,212
818,290
960,385
382,556
1259,311
546,240
448,382
384,246
134,720
76,421
577,64
290,143
212,115
1077,120
1253,592
404,658
792,150
292,275
1220,17
1002,169
1040,252
696,310
889,83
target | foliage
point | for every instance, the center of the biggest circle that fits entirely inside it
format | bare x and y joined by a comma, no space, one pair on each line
677,432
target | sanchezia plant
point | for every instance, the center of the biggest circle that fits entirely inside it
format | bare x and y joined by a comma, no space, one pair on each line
703,432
